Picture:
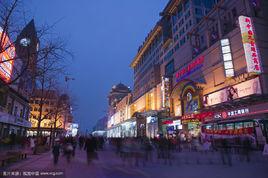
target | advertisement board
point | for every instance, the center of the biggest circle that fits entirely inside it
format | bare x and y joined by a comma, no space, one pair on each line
6,57
240,90
249,44
72,129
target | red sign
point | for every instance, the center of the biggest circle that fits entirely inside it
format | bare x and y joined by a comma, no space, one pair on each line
240,131
192,67
200,116
250,47
167,122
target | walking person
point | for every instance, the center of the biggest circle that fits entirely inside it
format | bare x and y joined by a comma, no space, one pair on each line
226,152
56,151
32,145
246,148
90,148
68,148
81,141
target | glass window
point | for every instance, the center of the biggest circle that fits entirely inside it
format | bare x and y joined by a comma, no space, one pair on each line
248,124
186,4
179,11
208,127
221,127
174,20
239,125
187,15
198,12
230,126
197,2
169,69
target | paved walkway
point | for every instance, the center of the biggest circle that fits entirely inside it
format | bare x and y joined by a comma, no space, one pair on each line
109,165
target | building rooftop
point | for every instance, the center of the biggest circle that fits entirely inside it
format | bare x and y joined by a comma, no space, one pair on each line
148,40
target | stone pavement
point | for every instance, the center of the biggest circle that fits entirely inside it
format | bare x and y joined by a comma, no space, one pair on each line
109,165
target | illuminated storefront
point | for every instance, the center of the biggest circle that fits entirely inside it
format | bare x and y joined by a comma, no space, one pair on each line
151,126
171,127
251,120
129,128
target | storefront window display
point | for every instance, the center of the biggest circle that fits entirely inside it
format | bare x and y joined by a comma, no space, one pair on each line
129,129
191,106
151,127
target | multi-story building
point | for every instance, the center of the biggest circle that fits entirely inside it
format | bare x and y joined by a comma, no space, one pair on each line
54,115
219,79
205,60
16,84
119,99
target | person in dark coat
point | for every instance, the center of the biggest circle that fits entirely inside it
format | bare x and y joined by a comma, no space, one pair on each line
81,141
56,152
90,148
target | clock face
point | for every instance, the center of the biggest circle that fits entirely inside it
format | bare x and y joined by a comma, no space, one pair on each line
25,42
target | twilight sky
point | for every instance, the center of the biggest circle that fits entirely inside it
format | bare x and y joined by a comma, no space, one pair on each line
104,36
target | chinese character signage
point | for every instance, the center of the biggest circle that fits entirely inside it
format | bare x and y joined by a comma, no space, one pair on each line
7,55
232,113
189,69
249,43
165,91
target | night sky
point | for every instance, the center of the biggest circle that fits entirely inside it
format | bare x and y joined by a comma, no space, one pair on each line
104,36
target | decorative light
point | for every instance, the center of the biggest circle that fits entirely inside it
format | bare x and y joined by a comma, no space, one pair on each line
227,57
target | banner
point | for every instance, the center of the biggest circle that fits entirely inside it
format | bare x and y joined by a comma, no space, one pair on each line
240,90
249,44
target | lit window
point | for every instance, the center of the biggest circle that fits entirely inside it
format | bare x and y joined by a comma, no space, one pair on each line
225,42
227,58
229,72
228,65
226,49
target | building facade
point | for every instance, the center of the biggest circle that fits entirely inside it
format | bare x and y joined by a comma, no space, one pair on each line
16,83
206,63
219,77
49,111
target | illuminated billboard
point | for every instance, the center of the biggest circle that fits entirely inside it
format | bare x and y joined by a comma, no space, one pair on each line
7,54
250,47
240,90
72,129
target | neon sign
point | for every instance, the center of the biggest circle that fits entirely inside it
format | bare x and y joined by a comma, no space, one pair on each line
250,47
6,57
191,68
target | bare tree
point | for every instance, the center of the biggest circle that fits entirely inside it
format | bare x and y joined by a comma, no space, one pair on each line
40,59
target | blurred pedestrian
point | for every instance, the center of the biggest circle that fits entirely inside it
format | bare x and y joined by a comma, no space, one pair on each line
246,148
33,144
81,141
56,151
226,152
90,147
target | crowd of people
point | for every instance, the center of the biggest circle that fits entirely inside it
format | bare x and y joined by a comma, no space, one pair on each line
67,146
142,149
